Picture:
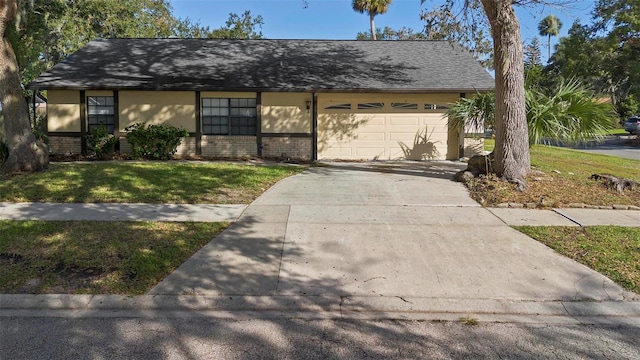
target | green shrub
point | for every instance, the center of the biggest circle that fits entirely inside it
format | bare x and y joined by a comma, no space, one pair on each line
101,142
154,142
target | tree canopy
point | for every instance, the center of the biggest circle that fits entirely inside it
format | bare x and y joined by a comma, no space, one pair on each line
604,54
388,33
373,8
549,26
46,32
468,27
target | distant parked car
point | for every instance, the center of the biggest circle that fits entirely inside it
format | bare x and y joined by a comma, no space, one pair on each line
632,125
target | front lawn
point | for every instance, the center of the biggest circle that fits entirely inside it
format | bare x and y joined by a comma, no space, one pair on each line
152,182
563,177
611,250
75,257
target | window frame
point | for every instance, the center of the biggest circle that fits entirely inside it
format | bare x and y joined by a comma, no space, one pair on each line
101,103
230,114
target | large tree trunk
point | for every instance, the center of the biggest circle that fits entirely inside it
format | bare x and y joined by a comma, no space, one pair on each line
511,151
25,152
373,26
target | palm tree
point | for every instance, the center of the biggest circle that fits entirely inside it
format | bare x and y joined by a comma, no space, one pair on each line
373,8
570,113
549,26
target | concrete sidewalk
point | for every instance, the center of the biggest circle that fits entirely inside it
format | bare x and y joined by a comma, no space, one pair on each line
231,212
567,217
121,212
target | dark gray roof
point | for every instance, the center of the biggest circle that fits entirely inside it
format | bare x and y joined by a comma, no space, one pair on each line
262,65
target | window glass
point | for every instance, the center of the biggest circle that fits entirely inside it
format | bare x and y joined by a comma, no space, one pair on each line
339,107
436,106
409,106
236,116
101,111
371,105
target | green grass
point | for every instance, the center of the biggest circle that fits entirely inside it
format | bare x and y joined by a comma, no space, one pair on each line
611,250
619,131
153,182
95,257
548,158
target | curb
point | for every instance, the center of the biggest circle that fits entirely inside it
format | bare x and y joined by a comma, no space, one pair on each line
567,312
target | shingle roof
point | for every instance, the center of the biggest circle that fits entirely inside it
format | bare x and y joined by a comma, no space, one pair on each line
261,65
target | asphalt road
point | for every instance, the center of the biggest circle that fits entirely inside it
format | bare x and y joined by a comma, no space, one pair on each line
614,146
208,338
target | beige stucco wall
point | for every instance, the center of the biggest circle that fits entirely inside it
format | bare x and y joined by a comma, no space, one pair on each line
98,93
286,113
177,108
228,94
63,111
385,133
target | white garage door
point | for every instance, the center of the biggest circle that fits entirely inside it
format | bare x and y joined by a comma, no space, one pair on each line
383,127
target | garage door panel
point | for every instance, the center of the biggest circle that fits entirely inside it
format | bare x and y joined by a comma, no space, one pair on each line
395,120
371,120
371,136
388,134
404,137
336,152
370,152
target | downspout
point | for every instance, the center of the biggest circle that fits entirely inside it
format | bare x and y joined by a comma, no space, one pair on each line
314,130
259,123
461,135
83,122
198,123
116,117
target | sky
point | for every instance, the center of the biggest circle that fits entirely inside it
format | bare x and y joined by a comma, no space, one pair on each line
335,19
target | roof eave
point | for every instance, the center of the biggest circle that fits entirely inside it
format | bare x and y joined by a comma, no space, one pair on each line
34,86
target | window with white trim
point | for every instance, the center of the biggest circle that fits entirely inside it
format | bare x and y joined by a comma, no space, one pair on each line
223,116
101,111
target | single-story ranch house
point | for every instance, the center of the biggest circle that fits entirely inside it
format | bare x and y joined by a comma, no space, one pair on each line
307,99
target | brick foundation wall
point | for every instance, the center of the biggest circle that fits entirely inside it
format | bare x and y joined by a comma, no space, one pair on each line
473,146
229,146
291,147
65,145
187,146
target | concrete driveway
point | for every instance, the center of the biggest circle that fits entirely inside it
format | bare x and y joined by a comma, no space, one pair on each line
368,233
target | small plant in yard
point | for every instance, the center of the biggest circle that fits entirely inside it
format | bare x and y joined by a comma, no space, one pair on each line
467,320
154,142
101,142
